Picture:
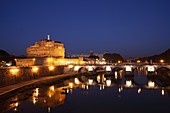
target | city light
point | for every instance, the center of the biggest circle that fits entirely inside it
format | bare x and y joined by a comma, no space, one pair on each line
83,86
162,92
151,69
70,66
108,68
14,71
52,88
76,81
76,68
119,61
101,87
120,89
128,68
35,95
49,60
98,78
128,83
139,90
151,84
87,87
70,84
16,104
161,61
90,68
138,61
36,92
108,82
49,109
90,81
51,68
34,100
9,64
115,74
35,69
49,95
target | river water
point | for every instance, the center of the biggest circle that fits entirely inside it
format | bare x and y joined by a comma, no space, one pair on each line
96,93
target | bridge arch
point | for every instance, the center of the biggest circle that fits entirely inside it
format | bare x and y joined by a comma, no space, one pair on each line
163,68
117,69
82,70
97,69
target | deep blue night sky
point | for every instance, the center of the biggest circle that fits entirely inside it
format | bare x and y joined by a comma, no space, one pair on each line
132,28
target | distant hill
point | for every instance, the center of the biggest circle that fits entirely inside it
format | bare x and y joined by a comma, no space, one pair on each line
156,58
4,56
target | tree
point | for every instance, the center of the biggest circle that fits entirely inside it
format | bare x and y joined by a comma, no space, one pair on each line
112,58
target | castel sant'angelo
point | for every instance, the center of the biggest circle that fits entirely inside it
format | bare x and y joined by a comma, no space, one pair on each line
47,52
46,48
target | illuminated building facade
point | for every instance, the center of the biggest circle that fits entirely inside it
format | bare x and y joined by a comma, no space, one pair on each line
48,61
47,52
46,48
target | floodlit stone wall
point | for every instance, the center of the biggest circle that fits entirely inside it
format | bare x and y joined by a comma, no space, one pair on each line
16,74
48,61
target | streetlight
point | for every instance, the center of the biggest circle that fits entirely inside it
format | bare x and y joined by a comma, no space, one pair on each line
35,69
119,61
138,61
51,68
162,61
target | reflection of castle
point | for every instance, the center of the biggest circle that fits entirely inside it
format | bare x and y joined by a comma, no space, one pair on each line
51,98
45,48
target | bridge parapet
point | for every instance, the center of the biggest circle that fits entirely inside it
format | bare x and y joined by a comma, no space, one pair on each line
126,67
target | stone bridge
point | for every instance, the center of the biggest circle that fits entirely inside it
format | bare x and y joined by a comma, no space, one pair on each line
125,67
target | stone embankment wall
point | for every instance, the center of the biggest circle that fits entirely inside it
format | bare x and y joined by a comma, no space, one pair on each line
13,75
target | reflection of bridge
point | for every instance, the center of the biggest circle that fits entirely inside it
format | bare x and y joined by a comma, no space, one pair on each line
103,80
112,68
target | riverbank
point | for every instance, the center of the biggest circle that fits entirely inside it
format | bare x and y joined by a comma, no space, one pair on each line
10,88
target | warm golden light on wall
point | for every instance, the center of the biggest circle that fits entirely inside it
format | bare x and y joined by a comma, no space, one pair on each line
52,88
59,47
35,69
50,60
71,84
14,71
51,68
70,66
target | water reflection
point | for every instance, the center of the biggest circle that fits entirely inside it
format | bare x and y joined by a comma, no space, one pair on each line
163,92
139,90
51,97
